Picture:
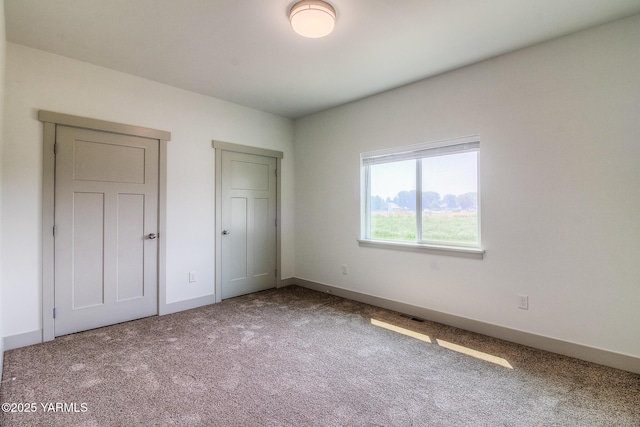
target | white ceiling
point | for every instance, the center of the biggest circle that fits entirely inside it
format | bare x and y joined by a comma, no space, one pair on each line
244,51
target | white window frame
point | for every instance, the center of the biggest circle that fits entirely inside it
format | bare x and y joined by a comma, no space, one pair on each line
417,152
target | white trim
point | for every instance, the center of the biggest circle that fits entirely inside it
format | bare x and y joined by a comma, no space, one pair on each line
48,242
22,340
188,304
289,281
162,229
461,251
218,224
278,219
579,351
101,125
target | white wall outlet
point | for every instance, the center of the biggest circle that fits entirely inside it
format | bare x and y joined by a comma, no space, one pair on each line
192,276
345,270
523,301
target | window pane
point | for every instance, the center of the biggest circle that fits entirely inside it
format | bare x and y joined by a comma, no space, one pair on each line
450,198
393,201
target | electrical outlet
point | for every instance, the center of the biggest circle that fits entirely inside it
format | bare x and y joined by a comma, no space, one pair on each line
523,302
192,276
344,269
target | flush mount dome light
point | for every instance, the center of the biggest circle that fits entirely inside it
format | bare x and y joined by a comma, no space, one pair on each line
312,18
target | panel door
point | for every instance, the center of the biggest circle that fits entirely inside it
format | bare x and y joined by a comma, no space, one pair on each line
106,218
248,223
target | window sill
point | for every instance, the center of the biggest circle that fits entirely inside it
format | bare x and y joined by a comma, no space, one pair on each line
475,253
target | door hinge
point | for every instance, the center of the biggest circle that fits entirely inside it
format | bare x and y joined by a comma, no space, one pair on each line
54,231
55,148
276,222
276,172
54,312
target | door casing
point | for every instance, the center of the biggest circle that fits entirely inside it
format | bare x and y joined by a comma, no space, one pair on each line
51,120
220,146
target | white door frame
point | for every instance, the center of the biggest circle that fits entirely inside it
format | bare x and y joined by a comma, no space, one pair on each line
51,120
220,146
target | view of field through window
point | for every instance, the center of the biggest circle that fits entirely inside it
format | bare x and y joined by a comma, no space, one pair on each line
449,199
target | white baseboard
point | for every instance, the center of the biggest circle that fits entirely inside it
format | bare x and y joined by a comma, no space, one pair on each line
175,307
288,282
22,340
578,351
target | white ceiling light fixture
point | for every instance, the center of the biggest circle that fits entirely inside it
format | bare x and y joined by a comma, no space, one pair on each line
312,18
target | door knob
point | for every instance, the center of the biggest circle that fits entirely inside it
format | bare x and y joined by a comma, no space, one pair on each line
152,236
225,232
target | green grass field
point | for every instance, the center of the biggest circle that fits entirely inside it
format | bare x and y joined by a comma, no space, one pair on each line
453,227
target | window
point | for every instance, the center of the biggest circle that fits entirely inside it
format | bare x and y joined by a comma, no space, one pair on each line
425,195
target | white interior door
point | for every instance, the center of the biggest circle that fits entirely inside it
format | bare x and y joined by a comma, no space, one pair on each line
248,223
106,218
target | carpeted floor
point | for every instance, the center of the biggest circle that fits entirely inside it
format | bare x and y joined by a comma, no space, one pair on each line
295,357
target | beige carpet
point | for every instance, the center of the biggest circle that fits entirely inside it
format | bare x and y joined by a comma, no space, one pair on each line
295,357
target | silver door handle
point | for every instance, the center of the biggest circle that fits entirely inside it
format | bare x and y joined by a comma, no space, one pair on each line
152,236
225,232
